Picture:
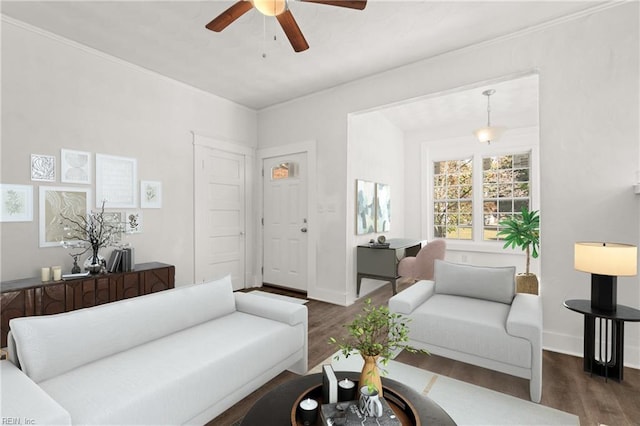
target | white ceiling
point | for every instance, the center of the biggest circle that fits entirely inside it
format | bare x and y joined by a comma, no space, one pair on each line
169,37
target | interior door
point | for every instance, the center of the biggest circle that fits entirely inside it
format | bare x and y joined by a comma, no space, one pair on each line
219,215
285,221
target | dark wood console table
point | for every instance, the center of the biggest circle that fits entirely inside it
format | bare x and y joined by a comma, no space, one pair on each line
30,296
610,356
382,263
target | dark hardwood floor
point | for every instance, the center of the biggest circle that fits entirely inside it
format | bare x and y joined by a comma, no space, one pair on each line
565,386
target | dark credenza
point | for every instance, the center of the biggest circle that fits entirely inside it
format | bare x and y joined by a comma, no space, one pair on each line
30,296
382,263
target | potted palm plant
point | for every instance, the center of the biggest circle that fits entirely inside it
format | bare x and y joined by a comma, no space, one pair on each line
377,334
523,231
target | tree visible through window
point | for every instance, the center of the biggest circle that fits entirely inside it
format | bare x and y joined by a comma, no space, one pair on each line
503,187
505,190
452,199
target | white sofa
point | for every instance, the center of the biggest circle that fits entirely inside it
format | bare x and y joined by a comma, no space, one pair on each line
472,314
181,356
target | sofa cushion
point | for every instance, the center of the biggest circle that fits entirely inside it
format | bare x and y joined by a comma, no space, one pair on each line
170,380
54,344
480,282
469,325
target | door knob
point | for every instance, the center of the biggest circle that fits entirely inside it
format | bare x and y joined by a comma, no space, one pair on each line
303,229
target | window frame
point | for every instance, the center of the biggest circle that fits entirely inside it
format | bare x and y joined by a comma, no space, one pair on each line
515,141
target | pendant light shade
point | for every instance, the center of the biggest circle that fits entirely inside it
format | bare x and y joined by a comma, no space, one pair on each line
489,133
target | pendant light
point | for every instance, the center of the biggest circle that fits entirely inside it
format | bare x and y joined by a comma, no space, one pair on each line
489,133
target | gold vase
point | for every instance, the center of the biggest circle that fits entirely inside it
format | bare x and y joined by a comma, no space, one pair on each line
370,374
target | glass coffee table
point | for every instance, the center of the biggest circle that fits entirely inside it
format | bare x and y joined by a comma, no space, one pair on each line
276,408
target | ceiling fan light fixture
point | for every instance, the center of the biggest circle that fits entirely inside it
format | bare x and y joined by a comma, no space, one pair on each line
270,7
489,133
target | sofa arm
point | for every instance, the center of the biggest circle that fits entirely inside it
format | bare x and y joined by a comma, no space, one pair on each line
525,318
24,402
278,310
409,299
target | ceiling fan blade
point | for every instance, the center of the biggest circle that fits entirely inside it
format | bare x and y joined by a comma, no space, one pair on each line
227,17
292,30
351,4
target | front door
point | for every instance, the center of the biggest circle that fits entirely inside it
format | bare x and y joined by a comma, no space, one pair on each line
219,215
285,221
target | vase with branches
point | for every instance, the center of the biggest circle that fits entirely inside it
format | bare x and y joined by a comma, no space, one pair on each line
91,232
378,335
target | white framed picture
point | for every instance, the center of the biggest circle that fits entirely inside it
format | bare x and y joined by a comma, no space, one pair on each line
116,181
75,166
56,204
150,194
43,168
17,203
133,222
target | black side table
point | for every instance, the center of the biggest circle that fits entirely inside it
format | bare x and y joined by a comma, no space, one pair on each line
610,361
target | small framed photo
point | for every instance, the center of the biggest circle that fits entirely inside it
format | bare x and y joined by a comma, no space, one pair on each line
150,194
75,166
133,222
17,203
43,168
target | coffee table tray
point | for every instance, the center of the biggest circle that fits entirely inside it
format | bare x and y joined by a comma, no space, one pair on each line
404,410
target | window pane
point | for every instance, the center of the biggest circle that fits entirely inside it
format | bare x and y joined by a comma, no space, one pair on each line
453,182
512,191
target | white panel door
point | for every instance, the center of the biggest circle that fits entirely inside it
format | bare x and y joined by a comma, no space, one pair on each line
285,221
219,215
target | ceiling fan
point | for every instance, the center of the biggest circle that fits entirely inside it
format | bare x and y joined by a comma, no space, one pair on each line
279,9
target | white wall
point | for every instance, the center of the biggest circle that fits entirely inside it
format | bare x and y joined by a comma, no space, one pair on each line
375,153
589,147
57,94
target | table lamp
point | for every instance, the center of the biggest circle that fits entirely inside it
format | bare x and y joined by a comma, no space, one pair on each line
605,262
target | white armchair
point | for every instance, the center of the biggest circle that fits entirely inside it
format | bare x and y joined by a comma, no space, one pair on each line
472,314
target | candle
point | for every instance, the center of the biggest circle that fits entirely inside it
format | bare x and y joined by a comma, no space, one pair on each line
45,274
346,390
309,411
57,273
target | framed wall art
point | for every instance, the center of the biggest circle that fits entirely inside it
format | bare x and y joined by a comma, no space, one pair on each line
116,181
365,207
150,194
383,207
56,203
75,166
133,222
17,203
43,168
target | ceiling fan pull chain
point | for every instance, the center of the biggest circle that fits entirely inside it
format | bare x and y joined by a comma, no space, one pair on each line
264,36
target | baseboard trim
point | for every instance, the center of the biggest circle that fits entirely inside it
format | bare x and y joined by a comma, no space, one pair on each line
572,345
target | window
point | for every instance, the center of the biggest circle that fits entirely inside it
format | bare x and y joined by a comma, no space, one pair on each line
505,190
452,199
472,194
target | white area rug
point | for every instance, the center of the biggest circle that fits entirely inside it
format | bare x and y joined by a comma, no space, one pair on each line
467,404
279,296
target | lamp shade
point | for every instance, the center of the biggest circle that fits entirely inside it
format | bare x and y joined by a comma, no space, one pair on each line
612,259
489,133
